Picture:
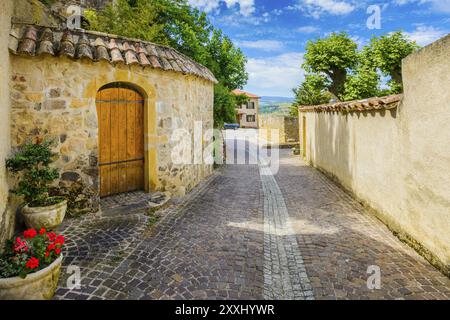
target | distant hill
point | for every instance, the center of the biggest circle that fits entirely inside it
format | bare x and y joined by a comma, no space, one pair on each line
275,105
271,100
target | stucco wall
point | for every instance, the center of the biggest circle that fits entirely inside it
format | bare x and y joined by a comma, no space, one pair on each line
397,162
55,98
5,24
287,126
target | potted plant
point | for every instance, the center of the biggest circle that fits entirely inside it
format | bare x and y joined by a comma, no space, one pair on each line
30,266
31,165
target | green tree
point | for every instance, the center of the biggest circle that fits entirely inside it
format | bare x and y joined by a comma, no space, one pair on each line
387,52
353,74
129,19
364,81
226,61
332,56
176,24
224,106
313,91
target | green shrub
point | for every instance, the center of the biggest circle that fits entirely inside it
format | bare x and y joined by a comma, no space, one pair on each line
31,165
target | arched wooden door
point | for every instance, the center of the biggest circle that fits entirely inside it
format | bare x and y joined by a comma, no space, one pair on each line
120,111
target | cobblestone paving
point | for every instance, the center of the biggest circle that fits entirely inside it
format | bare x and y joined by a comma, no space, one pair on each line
284,271
339,241
243,235
204,248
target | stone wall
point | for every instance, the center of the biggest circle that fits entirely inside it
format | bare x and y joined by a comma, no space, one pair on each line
34,12
398,161
6,216
287,126
55,98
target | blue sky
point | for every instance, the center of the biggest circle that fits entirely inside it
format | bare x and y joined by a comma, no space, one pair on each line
273,33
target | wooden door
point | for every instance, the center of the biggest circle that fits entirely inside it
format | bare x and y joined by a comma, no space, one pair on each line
121,140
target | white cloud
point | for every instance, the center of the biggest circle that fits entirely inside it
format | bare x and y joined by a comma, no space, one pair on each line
275,76
246,7
308,29
425,35
317,8
265,45
439,6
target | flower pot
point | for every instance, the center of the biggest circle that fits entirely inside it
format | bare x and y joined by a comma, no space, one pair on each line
44,217
40,285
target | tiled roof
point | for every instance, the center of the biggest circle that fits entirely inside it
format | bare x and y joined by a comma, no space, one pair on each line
35,40
248,94
383,103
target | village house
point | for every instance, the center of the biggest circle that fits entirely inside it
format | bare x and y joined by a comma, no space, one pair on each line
393,152
111,104
247,114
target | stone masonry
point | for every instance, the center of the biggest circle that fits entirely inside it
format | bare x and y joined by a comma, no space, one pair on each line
53,97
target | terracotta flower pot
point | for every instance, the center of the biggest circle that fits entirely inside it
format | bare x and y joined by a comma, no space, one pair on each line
40,285
44,217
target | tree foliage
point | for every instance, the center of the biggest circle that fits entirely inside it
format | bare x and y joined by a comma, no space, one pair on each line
386,54
227,62
224,106
176,24
313,91
352,73
333,56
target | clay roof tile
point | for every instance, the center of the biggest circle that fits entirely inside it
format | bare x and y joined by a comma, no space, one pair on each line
92,45
27,45
376,103
84,49
46,43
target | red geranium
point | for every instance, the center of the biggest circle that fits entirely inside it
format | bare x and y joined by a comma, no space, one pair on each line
32,263
29,234
59,240
51,236
30,253
20,246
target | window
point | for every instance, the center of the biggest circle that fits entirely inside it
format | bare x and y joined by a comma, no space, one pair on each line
251,118
251,105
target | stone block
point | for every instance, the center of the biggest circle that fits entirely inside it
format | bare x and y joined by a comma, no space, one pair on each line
55,104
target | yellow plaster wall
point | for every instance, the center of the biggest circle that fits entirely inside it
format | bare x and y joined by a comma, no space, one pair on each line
397,162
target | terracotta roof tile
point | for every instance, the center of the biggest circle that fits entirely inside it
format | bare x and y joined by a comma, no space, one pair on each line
84,49
36,40
46,43
101,50
376,103
142,55
248,94
67,45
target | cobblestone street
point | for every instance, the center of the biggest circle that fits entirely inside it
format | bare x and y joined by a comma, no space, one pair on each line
247,234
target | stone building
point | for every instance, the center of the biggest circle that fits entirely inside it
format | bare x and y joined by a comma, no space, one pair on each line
393,152
287,127
117,109
247,114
